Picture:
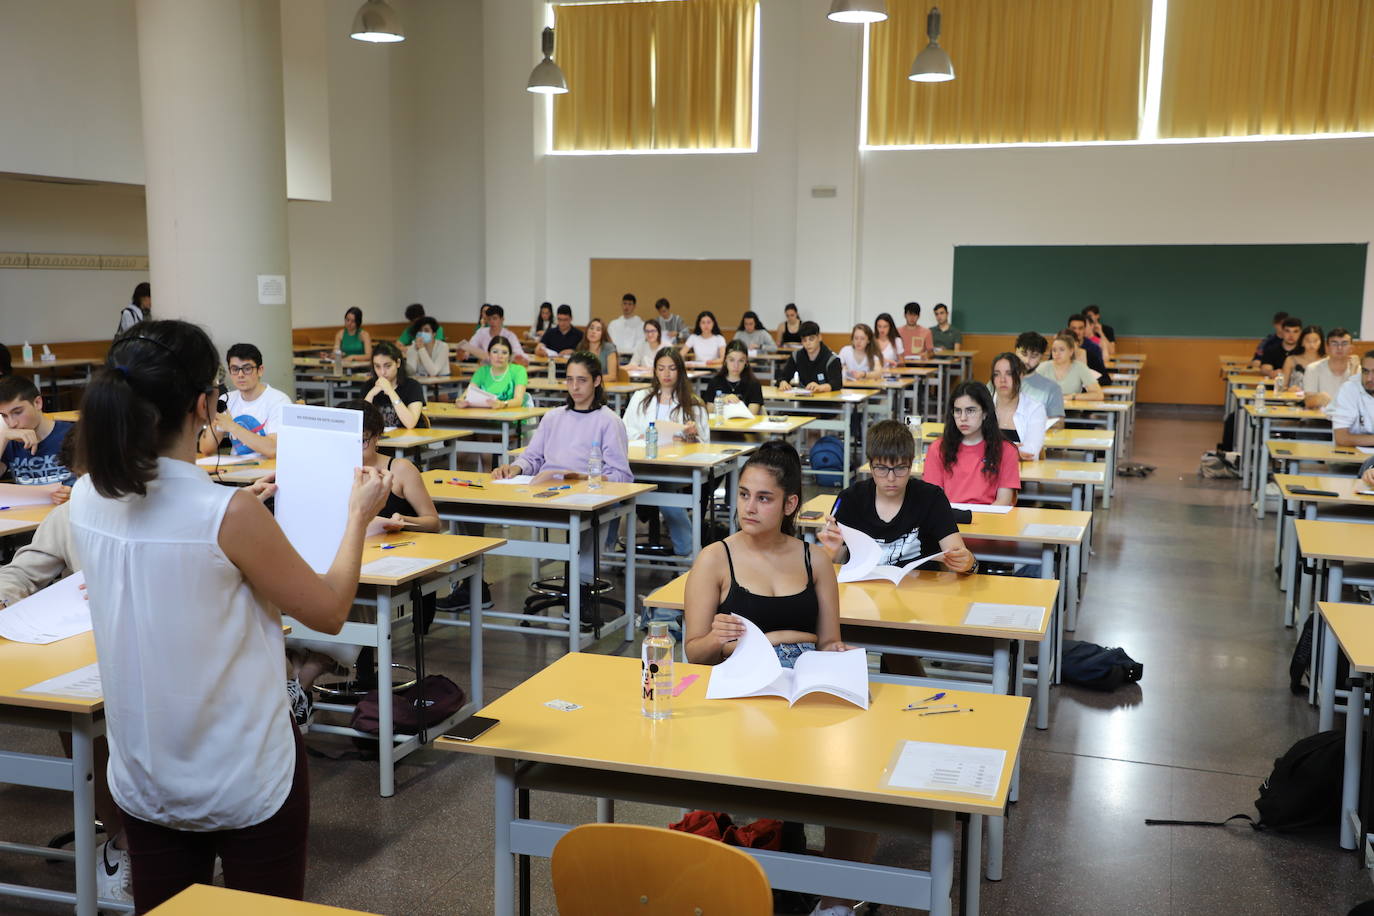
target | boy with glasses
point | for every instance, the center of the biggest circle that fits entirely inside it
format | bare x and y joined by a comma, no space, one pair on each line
909,518
253,412
1325,377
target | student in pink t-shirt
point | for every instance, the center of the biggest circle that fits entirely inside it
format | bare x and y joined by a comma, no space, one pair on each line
916,339
972,461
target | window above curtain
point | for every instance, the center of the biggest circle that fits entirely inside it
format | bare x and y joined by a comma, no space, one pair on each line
1254,67
1026,71
655,76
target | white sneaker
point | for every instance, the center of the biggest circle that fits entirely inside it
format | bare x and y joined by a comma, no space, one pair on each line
302,706
835,909
113,874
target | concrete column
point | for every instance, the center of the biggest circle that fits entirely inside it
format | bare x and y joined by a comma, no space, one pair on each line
215,152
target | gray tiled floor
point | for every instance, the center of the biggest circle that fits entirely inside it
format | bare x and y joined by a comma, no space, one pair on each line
1181,579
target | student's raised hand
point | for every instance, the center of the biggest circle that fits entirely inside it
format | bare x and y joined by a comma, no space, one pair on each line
265,487
61,494
726,630
958,560
830,537
370,490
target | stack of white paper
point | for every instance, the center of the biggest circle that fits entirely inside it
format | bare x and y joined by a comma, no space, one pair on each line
928,767
56,612
753,670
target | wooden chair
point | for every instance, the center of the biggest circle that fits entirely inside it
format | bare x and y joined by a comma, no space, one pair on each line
627,869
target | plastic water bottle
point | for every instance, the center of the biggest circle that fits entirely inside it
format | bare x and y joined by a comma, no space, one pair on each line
1259,396
656,672
594,466
720,406
27,353
553,368
651,441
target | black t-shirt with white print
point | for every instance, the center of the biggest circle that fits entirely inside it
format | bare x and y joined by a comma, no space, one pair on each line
915,531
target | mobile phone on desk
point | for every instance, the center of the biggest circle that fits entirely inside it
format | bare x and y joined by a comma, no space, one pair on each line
1308,491
808,516
471,727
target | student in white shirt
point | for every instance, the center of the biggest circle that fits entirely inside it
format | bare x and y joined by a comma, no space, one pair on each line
706,344
1023,415
140,308
670,399
427,356
627,331
252,414
643,356
889,342
187,582
1325,377
479,347
860,359
1352,413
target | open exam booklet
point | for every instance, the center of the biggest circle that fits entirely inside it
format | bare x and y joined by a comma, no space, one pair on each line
753,670
866,560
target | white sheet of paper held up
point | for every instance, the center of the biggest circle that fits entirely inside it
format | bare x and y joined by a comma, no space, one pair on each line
318,449
56,612
929,767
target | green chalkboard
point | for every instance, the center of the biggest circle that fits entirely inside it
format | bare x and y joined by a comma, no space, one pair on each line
1158,290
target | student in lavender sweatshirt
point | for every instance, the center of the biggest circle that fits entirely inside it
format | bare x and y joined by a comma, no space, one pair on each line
566,436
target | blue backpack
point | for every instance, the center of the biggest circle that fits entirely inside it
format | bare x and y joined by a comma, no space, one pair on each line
1098,667
828,455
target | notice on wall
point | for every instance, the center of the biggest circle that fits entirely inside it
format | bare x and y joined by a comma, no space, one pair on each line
271,289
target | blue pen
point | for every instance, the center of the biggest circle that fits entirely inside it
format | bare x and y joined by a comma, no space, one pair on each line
3,508
835,508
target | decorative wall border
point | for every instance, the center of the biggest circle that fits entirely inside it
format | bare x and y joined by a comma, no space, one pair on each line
45,261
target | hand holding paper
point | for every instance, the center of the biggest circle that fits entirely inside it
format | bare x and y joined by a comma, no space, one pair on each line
753,670
474,396
737,410
865,560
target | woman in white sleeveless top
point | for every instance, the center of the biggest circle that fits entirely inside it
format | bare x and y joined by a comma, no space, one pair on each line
187,582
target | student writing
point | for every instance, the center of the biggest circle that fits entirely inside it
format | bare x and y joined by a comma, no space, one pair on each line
32,441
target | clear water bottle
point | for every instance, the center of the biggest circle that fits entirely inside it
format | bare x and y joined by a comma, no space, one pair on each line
553,368
594,468
1259,396
720,406
27,353
651,441
656,672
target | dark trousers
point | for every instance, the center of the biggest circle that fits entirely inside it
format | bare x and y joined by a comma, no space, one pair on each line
267,858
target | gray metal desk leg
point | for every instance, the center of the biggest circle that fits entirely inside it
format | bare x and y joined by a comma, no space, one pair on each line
574,580
1350,779
1326,709
630,576
695,510
847,438
733,496
386,730
83,812
504,884
475,678
1001,681
941,862
973,846
1043,671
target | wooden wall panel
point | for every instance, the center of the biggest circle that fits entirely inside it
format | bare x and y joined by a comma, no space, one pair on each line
692,286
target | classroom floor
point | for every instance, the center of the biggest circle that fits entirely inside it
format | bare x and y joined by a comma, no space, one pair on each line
1182,579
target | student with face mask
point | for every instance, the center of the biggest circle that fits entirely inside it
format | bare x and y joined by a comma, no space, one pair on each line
428,354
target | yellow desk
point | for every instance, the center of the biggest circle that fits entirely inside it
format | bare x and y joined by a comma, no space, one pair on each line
422,445
482,422
21,666
1352,626
818,762
22,519
694,465
208,900
1257,428
451,560
1333,544
781,425
71,416
573,511
1347,504
833,410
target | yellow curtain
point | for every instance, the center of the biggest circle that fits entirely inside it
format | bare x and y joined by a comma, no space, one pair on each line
1025,71
644,75
1243,67
606,53
704,74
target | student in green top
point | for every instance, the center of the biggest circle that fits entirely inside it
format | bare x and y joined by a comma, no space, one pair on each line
414,312
501,378
352,341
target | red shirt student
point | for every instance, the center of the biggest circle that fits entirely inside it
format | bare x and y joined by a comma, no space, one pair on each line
972,462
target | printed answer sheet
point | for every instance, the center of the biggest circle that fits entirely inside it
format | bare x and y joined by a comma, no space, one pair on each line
928,767
318,449
396,567
83,683
1007,616
57,612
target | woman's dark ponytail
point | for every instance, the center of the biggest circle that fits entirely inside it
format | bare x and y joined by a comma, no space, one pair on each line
136,404
782,460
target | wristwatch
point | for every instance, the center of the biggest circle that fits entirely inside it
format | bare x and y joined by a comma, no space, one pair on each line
972,569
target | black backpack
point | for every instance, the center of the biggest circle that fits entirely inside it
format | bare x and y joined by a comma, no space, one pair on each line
1303,790
1098,667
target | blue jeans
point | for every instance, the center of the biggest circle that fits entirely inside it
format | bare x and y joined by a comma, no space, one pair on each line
679,529
789,652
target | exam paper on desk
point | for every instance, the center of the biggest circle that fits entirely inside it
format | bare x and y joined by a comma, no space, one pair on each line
1005,616
14,495
57,612
929,767
83,683
396,567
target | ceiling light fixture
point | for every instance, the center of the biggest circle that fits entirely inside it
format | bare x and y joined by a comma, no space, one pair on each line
546,77
377,22
861,11
932,65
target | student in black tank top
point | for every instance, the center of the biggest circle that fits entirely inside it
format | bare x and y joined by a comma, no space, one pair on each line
788,588
783,586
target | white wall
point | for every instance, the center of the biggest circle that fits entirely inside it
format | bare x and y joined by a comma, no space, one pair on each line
919,204
53,305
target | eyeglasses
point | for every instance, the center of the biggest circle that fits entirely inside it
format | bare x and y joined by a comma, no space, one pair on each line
1338,344
883,470
244,369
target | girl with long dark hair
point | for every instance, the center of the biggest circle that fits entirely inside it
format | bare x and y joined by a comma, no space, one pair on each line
972,460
